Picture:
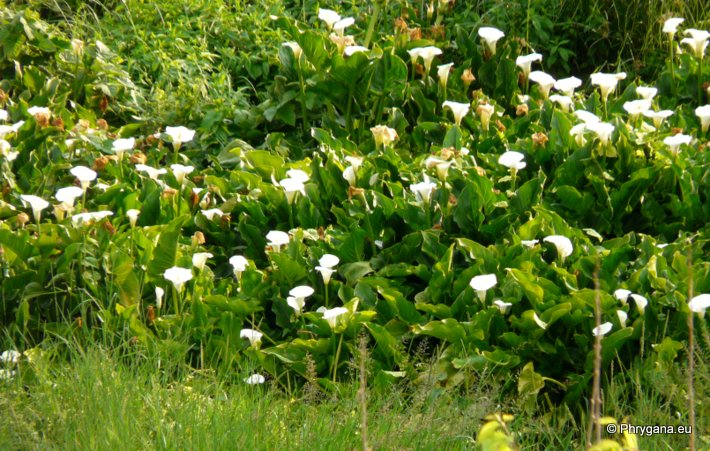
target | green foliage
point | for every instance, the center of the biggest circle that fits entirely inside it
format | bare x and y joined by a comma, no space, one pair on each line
354,155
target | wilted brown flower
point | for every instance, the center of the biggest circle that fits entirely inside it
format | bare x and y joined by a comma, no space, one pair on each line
438,32
447,153
42,119
521,110
101,124
107,226
58,122
198,238
467,78
415,34
22,219
100,163
150,314
169,192
354,192
539,139
103,104
400,25
82,125
138,158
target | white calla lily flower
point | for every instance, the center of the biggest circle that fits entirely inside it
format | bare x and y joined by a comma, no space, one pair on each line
567,85
699,304
512,160
490,36
459,109
602,329
37,204
178,276
199,260
674,142
254,336
133,216
84,175
703,113
180,135
544,80
277,239
255,379
524,62
698,41
481,284
562,244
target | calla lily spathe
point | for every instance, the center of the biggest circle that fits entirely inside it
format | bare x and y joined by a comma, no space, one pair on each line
490,36
512,160
658,116
698,41
703,113
562,244
482,284
326,267
568,85
180,135
606,82
459,109
674,142
84,175
178,276
524,62
254,336
199,260
37,204
544,80
602,329
277,239
699,304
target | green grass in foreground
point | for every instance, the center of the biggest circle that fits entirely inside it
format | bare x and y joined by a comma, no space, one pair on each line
101,400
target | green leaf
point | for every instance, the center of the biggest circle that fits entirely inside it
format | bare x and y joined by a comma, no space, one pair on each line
355,271
125,278
529,385
165,254
448,329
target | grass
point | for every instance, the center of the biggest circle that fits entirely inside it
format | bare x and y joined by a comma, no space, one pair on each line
99,402
105,398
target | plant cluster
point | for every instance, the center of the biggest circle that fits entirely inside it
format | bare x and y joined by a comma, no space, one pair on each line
415,187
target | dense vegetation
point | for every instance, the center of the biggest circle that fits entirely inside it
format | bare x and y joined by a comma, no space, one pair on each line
255,192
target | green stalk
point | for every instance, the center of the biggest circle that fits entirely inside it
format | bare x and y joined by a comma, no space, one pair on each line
370,230
672,68
371,25
700,81
304,112
176,299
337,357
176,149
327,304
348,112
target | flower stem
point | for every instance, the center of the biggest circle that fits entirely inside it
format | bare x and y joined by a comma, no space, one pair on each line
672,68
691,356
371,25
327,304
304,112
348,112
337,357
700,81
